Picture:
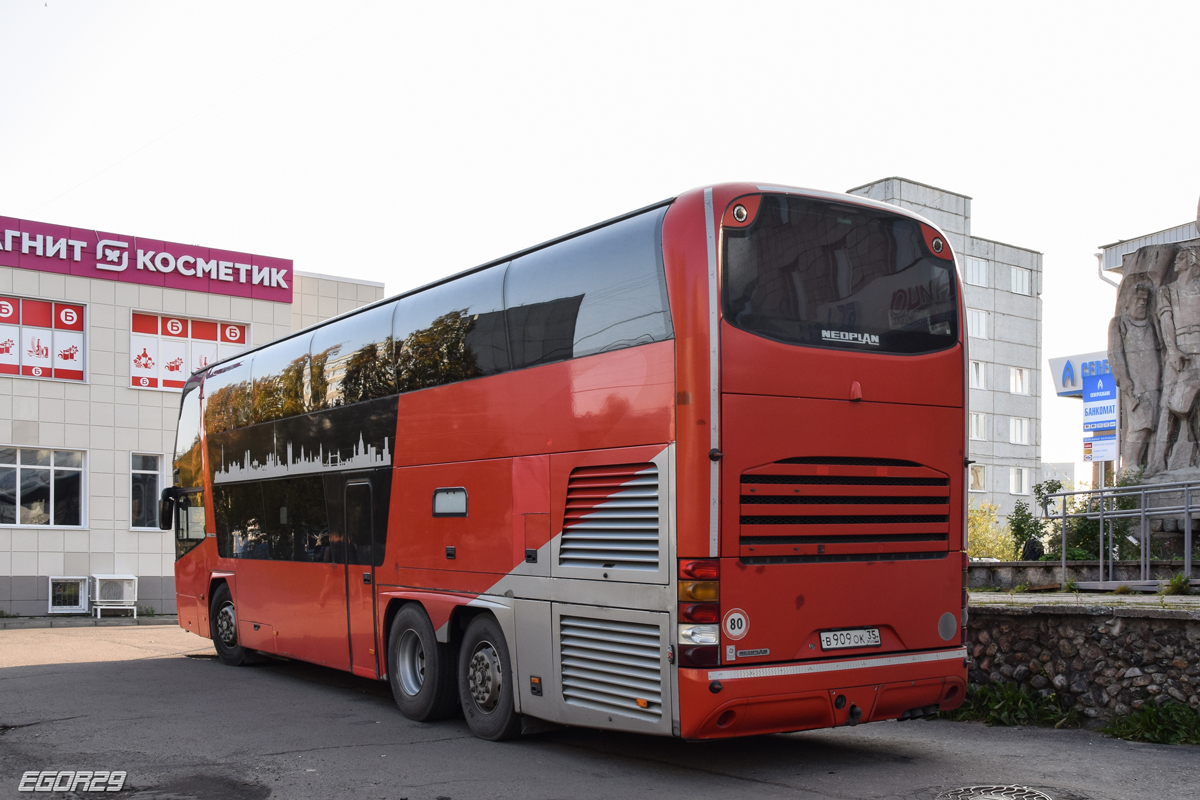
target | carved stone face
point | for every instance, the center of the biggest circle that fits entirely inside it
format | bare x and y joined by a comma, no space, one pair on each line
1139,303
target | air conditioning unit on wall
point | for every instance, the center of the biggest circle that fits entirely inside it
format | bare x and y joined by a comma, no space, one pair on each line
68,595
114,591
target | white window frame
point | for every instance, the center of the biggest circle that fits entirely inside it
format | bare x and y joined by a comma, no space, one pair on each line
1018,480
977,271
978,426
1021,280
982,470
1018,380
1018,430
162,460
977,375
977,323
83,489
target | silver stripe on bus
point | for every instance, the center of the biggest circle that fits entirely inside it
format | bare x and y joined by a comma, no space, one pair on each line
714,391
835,666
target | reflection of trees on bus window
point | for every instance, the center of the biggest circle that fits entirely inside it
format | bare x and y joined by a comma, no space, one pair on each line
452,332
280,380
438,354
368,373
352,359
228,399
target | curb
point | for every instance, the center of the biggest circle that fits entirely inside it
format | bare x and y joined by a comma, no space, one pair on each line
85,622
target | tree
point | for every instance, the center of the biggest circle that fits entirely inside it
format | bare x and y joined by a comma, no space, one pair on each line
986,537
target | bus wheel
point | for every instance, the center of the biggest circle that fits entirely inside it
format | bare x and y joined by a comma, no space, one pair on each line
486,682
420,669
222,622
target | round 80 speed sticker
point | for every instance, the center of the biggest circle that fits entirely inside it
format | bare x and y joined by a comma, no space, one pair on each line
736,624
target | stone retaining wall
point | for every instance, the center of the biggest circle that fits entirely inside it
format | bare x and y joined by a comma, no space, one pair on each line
1106,661
1009,574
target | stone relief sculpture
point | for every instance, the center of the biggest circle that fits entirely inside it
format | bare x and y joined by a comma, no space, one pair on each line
1154,353
1133,355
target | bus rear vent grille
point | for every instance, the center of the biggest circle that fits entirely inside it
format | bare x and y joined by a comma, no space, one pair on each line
612,518
798,507
612,667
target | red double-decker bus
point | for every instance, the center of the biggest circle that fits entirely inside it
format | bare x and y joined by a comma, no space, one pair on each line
694,471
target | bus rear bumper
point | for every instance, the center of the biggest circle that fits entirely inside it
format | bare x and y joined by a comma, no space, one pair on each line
741,701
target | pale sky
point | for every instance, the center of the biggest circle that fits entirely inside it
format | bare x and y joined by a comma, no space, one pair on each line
400,142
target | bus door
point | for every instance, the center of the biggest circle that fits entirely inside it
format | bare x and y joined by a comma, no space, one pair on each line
360,576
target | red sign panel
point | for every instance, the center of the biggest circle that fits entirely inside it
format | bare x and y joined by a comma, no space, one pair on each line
165,350
41,339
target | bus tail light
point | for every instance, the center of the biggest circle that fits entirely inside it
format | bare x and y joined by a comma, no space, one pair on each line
699,634
698,656
700,591
699,612
707,569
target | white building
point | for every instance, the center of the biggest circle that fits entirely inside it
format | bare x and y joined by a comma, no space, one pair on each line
1002,284
97,334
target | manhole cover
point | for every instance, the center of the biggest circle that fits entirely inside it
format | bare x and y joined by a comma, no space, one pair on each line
994,793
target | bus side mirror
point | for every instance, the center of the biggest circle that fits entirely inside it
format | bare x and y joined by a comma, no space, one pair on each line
166,508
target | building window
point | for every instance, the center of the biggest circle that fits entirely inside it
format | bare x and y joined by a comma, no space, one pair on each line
1018,480
1022,281
977,271
978,484
143,490
1018,380
977,375
977,323
978,426
41,487
1018,430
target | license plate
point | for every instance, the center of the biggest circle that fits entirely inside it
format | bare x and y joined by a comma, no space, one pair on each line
861,637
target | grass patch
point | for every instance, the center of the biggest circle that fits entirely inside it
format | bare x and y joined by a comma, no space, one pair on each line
1172,723
1179,583
1011,704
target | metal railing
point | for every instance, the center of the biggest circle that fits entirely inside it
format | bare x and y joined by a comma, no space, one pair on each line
1104,506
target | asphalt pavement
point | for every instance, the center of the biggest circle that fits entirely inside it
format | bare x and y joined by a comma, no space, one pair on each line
155,702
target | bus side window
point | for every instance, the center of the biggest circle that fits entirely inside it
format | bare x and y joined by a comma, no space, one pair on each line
227,396
280,381
351,359
359,518
452,332
603,290
189,522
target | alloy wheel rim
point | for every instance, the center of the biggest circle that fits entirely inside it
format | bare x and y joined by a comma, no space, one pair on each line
227,625
411,663
485,677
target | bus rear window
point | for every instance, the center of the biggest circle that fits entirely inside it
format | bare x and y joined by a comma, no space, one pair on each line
822,274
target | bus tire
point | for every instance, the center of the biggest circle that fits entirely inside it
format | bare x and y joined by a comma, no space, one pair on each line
420,668
222,624
486,682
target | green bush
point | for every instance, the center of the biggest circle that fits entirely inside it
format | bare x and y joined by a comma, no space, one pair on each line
1171,723
1179,583
1011,704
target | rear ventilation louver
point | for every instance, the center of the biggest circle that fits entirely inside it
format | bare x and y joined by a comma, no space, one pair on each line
612,667
816,509
612,519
